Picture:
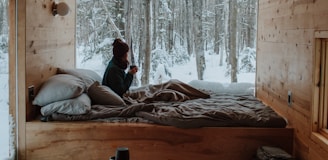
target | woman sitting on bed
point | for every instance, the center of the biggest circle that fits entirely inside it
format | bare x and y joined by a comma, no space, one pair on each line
115,76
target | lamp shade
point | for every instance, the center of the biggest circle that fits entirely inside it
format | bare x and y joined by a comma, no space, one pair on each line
61,9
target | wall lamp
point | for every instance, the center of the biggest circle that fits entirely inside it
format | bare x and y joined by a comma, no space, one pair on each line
61,9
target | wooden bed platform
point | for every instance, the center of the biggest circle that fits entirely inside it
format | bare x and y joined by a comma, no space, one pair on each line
99,140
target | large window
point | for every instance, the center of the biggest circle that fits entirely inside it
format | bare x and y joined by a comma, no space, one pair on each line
211,40
4,98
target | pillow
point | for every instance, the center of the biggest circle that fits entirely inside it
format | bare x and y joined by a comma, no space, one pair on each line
57,88
216,87
75,106
241,88
103,95
87,76
224,88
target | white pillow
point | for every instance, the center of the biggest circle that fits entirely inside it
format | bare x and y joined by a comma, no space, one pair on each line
224,88
57,88
75,106
103,95
207,85
240,88
87,76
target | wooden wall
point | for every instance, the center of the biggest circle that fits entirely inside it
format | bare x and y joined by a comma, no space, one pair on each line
50,43
39,43
285,54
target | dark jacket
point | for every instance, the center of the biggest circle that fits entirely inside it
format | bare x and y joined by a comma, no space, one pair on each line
116,78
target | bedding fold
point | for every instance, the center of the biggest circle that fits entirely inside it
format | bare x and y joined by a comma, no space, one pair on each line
178,104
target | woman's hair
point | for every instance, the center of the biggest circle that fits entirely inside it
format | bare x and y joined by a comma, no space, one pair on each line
120,49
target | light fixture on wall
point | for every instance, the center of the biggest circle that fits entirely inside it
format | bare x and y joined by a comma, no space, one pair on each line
61,9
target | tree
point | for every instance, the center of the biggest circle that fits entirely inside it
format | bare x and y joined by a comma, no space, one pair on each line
189,30
179,30
146,65
199,41
219,29
233,45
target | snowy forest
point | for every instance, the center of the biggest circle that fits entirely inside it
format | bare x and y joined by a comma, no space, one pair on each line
163,34
3,35
168,33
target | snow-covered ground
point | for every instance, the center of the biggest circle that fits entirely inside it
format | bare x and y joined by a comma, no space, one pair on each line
185,73
4,117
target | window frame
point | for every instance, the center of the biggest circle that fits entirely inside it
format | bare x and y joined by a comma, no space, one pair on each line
320,89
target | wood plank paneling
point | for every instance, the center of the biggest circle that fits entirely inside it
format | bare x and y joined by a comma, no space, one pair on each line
44,42
95,140
285,56
49,40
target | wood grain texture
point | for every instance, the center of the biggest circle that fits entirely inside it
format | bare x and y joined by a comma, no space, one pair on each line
285,57
94,141
49,43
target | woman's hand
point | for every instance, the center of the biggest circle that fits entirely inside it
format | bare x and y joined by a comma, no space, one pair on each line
133,69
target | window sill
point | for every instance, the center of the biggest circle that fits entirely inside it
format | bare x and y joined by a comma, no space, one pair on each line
319,139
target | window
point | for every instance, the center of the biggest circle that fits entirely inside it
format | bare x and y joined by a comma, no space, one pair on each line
189,39
320,94
4,86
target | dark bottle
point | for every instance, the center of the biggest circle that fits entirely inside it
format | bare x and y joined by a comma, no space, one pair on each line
122,153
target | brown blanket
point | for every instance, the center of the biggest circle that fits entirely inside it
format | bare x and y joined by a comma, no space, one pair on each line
172,90
178,104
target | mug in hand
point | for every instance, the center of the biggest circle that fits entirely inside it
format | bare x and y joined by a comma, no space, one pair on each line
132,66
122,153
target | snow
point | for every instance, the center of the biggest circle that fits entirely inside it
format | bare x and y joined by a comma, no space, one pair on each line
4,109
185,73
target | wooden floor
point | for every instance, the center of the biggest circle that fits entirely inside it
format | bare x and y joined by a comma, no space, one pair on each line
98,141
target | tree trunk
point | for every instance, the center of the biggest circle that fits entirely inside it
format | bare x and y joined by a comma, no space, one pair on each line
128,38
2,11
147,60
190,38
170,30
120,12
199,41
221,30
155,24
141,38
253,24
227,30
233,45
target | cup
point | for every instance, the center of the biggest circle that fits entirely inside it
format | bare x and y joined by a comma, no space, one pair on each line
132,66
122,153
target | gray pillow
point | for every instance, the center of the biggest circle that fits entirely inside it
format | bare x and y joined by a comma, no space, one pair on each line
75,106
87,76
57,88
103,95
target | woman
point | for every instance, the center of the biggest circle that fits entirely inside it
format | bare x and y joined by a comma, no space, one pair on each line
115,76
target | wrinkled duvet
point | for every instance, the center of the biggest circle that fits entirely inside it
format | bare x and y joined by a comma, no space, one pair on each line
178,104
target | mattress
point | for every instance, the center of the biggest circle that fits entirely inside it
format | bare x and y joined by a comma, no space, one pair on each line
181,105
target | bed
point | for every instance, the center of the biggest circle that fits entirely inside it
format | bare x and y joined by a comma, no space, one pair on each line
173,120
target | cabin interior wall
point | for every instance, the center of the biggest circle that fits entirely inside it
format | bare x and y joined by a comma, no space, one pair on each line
50,43
285,52
39,43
